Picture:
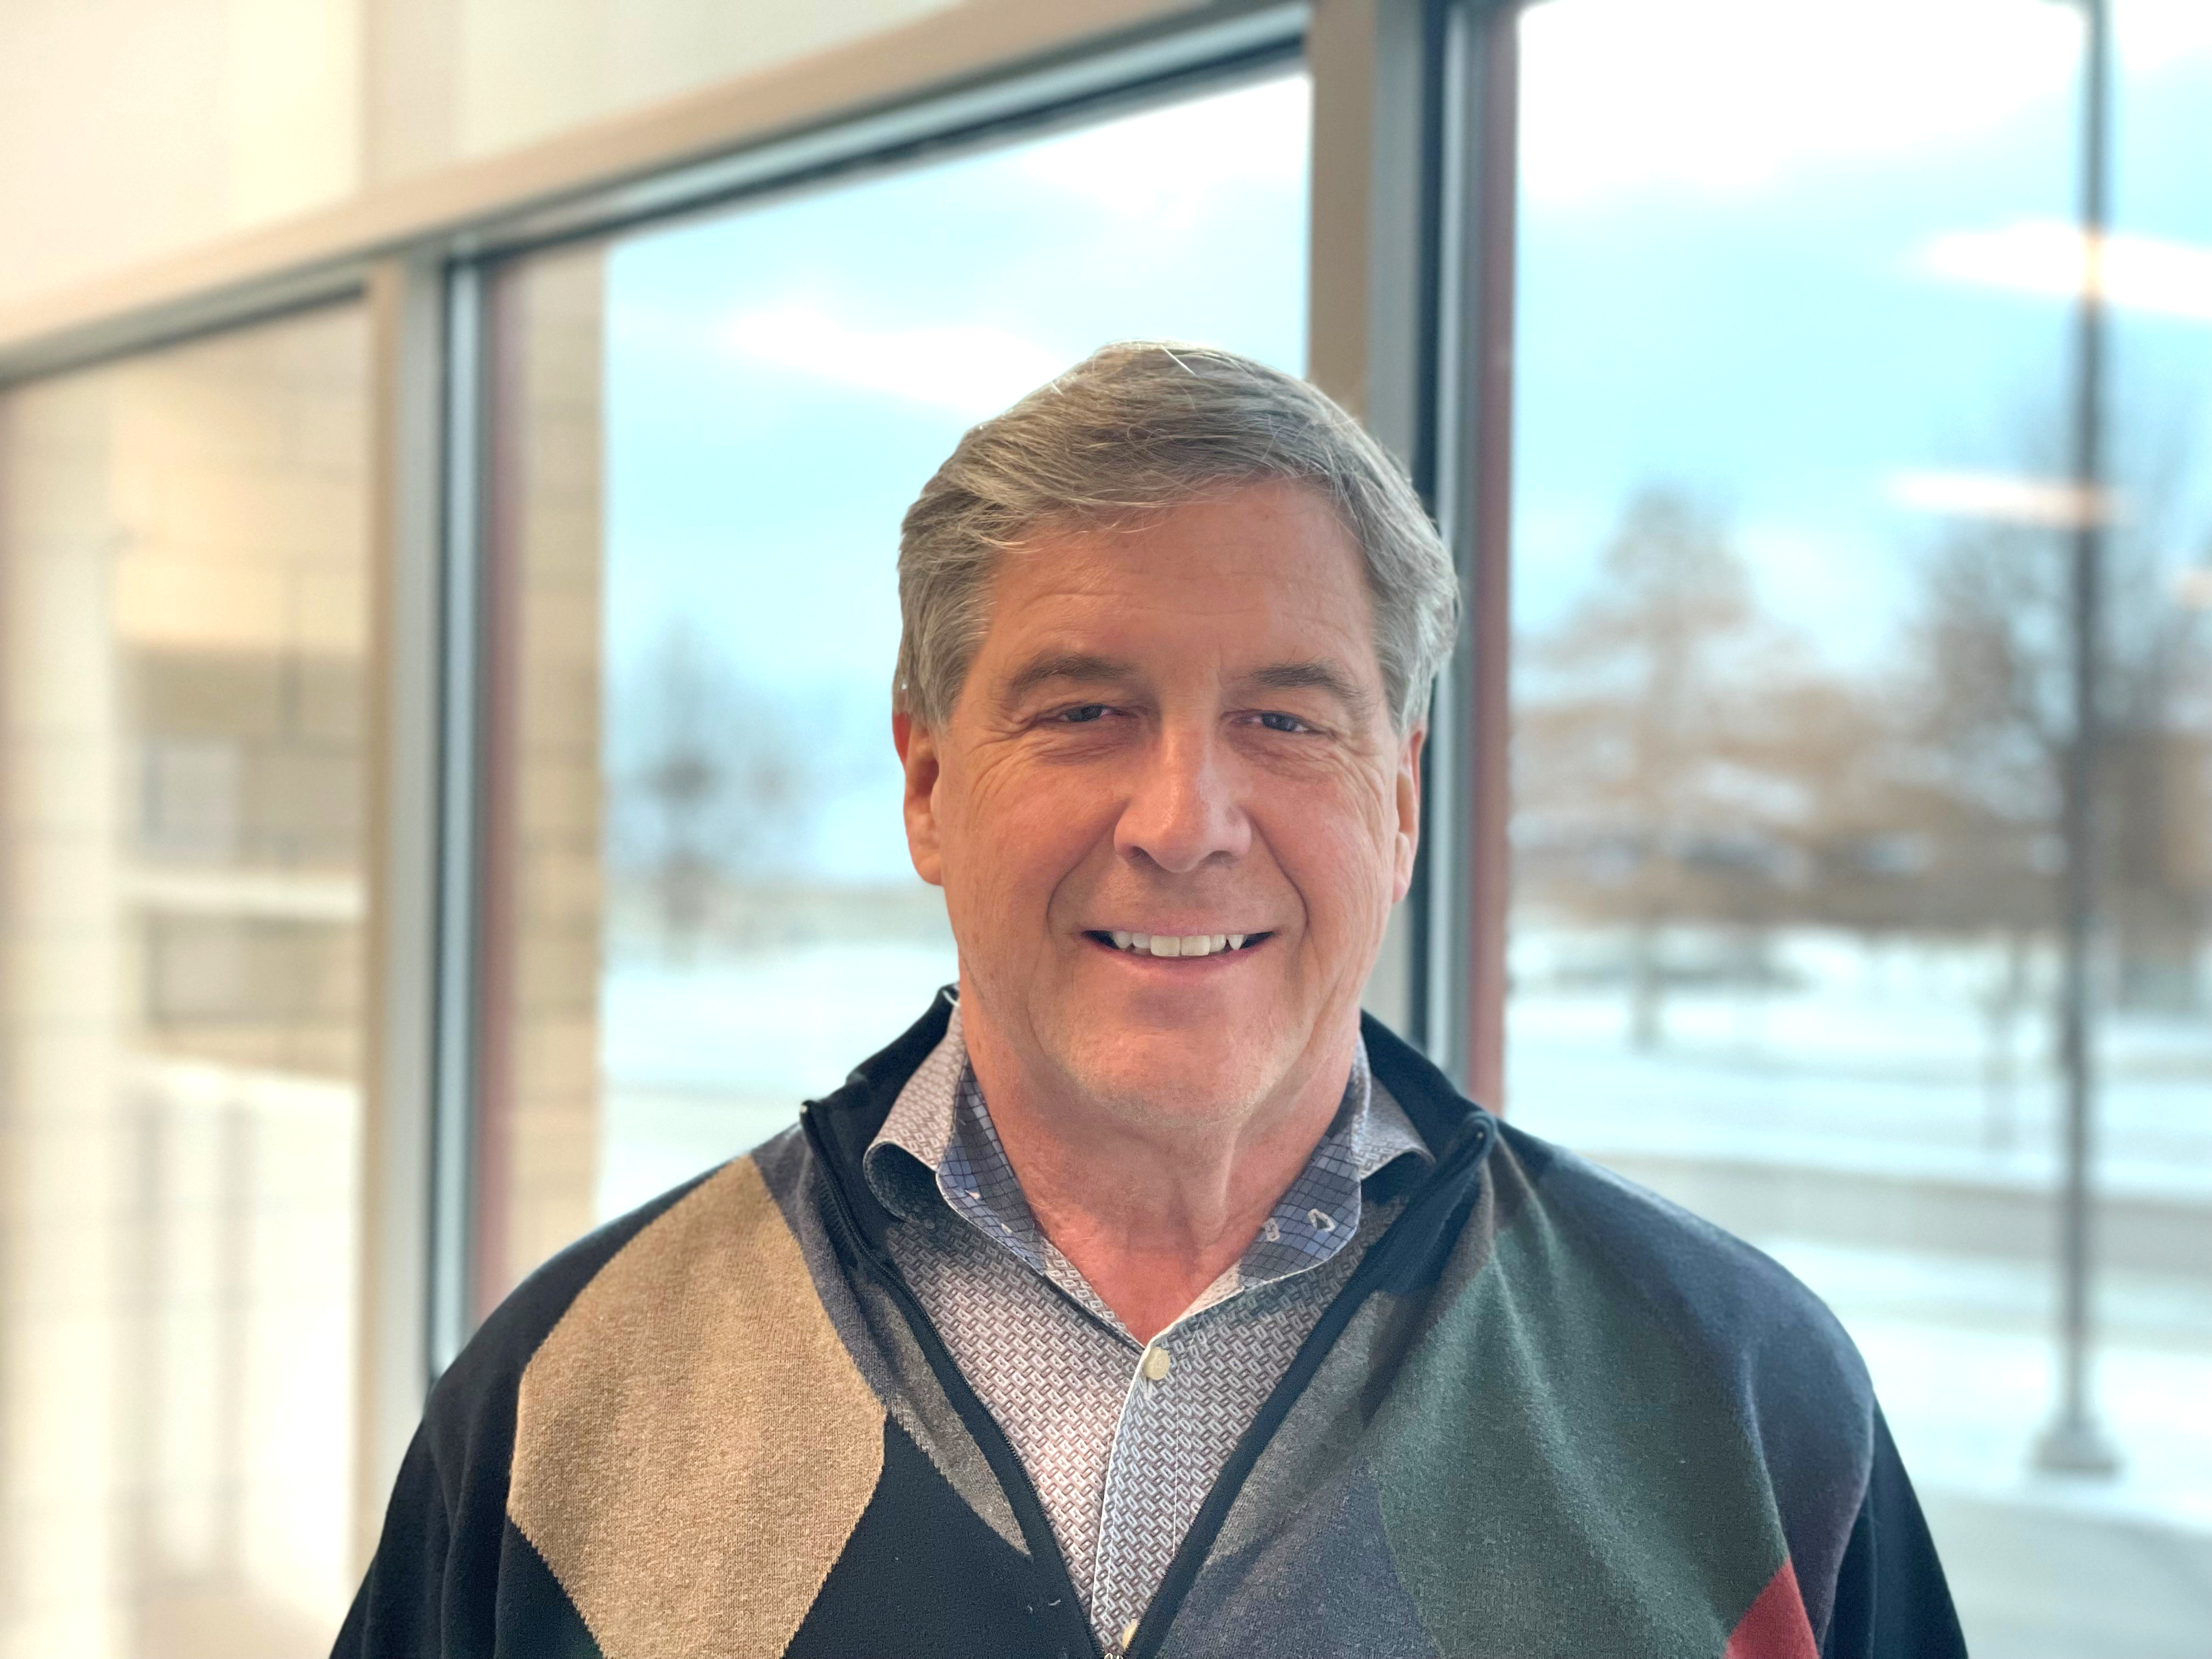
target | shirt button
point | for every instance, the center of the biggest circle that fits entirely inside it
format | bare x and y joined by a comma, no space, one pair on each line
1157,1362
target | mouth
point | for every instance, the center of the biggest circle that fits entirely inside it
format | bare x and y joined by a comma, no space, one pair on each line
1176,945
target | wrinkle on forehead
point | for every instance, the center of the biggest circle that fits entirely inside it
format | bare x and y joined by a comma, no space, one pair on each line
1065,588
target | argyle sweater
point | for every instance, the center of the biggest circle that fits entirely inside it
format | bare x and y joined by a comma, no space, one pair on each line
1548,1414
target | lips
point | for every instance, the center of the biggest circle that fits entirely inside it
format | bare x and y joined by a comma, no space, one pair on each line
1176,944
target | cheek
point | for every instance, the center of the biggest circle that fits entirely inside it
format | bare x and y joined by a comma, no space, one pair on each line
1340,849
1019,829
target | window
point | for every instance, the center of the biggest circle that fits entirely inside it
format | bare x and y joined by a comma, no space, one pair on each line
698,908
1794,509
184,624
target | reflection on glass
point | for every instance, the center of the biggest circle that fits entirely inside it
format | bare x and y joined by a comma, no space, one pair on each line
183,619
701,909
1794,512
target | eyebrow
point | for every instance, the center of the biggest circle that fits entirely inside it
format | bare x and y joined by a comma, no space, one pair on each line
1081,666
1316,676
1086,667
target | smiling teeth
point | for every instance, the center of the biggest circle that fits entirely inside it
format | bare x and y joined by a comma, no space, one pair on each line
1177,945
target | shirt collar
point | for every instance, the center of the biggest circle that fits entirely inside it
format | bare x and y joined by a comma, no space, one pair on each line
941,1122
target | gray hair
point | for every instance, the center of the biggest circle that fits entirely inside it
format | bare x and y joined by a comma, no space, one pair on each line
1139,427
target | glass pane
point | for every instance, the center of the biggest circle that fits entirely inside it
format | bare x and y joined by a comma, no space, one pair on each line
183,623
700,909
1793,524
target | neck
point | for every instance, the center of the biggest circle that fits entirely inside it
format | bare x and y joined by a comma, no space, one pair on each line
1152,1214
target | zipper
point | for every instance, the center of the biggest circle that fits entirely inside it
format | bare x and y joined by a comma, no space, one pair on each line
1445,1189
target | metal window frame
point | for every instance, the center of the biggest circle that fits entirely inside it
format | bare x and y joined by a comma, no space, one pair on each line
1415,146
462,738
405,298
1401,201
1478,57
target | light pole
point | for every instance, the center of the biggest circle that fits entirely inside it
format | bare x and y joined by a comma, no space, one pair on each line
2074,1442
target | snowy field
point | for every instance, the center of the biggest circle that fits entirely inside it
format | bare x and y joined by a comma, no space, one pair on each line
1897,1081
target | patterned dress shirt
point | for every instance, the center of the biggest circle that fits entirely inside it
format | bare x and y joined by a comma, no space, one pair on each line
1122,1439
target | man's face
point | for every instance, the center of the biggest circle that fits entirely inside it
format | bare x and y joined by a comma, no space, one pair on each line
1175,730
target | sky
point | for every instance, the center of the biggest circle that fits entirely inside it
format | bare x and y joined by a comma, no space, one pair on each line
1812,263
1808,261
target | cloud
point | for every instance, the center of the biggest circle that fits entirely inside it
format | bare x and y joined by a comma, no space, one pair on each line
1736,97
2049,256
2052,503
2151,35
1168,164
970,368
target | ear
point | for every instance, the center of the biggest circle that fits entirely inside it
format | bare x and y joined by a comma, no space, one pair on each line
1408,793
917,752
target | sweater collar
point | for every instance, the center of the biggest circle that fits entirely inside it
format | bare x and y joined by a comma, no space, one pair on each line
849,1120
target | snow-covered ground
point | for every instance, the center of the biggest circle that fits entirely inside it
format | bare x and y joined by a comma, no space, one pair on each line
1889,1084
1962,1356
1883,1072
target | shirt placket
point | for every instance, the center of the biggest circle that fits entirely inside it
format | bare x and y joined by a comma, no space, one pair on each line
1161,1463
1154,1481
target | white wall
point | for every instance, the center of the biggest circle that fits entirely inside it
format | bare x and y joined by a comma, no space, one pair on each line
134,129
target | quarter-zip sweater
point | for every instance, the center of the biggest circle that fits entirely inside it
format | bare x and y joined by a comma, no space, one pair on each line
1548,1414
1122,1439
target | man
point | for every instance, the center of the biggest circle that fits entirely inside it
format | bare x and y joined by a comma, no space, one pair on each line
1143,1298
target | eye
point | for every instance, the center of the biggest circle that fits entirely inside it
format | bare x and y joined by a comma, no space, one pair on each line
1081,714
1275,721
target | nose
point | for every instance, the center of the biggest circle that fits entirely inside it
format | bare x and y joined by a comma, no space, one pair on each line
1184,808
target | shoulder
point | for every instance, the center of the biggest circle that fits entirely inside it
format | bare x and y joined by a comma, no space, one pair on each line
1729,1326
1732,1304
1695,1370
707,1225
473,1397
697,1379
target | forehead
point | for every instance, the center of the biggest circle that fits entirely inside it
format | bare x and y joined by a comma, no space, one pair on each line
1255,564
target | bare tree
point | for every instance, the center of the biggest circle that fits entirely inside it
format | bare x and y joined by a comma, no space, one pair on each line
1988,658
1679,758
711,783
1646,760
